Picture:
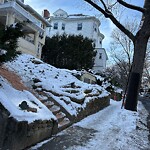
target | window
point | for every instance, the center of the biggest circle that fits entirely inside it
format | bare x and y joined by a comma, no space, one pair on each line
63,26
100,55
56,26
95,27
79,27
100,42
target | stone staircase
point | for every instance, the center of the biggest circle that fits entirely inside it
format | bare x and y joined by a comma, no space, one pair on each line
62,116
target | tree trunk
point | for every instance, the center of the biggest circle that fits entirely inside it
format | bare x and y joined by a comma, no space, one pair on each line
140,46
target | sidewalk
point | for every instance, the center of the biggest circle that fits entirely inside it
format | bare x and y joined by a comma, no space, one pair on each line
73,136
146,102
112,128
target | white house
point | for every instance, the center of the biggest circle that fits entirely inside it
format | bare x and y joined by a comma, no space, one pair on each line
76,24
13,11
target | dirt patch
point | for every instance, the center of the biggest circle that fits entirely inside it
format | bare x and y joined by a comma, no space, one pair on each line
12,78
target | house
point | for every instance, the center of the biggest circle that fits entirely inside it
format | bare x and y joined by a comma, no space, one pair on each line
13,11
79,24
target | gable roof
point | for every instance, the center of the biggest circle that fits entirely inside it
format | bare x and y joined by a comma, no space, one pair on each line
60,12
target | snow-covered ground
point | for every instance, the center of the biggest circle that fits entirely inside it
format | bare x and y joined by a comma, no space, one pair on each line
12,98
116,129
56,82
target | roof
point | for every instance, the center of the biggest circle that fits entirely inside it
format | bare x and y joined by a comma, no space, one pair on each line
60,11
32,11
72,16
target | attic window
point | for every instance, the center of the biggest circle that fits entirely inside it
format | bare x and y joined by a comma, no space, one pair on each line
79,27
56,26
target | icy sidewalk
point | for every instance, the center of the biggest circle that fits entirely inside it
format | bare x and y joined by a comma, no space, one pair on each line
112,128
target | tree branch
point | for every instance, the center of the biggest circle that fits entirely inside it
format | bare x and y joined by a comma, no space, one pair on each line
103,4
131,6
109,15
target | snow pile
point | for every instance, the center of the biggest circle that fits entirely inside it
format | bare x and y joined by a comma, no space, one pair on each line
2,52
12,98
57,83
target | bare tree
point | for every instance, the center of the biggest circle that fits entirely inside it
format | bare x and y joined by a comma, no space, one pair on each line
140,40
121,49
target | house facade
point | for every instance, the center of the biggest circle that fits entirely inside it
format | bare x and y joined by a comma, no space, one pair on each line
13,11
79,24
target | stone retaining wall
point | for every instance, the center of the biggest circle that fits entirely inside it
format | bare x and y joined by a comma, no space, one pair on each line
92,107
16,135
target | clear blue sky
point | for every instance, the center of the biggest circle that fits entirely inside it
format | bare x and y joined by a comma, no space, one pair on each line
80,6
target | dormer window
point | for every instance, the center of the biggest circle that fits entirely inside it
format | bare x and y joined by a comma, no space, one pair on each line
63,26
56,26
79,27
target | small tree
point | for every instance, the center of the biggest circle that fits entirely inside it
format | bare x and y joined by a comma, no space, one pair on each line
69,51
8,40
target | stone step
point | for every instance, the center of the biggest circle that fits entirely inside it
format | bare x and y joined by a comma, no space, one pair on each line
54,109
63,124
48,104
60,116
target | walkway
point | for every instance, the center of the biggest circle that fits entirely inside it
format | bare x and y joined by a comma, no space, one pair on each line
110,129
146,102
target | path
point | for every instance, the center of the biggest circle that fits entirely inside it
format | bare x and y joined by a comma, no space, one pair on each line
110,129
146,102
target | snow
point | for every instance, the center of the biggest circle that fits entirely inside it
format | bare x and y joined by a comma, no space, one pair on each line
3,52
55,82
11,98
116,129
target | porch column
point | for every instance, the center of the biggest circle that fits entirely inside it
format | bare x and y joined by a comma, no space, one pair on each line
10,19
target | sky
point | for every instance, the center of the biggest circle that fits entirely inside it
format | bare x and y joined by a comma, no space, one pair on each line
80,6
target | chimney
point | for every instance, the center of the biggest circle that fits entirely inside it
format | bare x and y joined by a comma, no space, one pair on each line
46,14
